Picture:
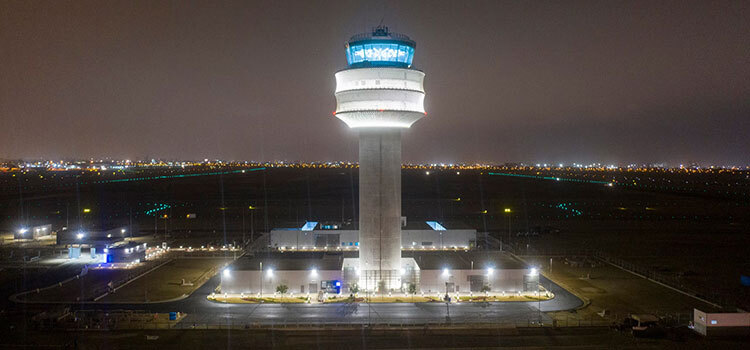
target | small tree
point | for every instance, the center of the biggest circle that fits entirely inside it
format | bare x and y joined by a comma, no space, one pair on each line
282,289
353,288
412,289
485,289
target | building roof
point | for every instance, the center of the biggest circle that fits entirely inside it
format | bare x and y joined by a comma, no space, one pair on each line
294,261
462,260
437,260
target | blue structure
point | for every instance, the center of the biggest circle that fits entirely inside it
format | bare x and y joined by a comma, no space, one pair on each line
380,48
435,225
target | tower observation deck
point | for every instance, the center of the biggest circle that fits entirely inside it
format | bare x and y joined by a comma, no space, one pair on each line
379,94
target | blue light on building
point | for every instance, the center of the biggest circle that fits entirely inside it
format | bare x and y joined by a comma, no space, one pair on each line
380,48
380,53
435,225
309,226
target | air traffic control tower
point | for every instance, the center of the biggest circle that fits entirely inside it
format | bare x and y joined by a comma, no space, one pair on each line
379,94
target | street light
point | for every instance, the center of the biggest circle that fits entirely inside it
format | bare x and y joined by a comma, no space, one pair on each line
508,211
252,222
535,272
226,273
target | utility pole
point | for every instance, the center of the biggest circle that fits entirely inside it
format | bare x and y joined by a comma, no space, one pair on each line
539,298
447,303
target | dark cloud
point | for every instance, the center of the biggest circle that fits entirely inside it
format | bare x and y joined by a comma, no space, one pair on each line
520,81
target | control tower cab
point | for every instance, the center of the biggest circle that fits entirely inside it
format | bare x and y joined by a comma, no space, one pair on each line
380,89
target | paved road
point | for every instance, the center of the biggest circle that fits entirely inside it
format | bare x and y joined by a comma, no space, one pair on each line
202,311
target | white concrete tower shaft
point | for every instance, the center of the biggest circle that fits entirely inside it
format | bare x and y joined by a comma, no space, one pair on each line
380,206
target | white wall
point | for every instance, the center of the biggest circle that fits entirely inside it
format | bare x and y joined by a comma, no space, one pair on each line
508,280
249,281
431,281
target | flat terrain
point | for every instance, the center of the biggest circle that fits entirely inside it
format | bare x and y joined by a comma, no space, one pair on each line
615,293
688,225
165,283
88,287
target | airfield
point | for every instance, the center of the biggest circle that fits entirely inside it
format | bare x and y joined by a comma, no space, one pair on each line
605,251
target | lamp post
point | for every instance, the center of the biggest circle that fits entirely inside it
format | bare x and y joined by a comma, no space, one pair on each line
252,221
447,304
261,280
508,212
535,273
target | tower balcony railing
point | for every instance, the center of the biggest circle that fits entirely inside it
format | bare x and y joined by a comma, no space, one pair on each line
391,35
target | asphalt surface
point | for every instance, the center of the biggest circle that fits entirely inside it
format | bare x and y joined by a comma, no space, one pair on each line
201,311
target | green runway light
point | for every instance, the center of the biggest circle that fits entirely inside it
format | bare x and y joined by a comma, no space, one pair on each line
551,178
176,176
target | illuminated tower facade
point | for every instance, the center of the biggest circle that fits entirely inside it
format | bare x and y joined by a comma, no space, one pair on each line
378,95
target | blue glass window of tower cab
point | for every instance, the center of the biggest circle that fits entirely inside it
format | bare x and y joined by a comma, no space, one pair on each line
380,52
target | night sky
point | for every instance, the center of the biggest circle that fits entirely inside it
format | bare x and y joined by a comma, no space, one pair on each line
524,81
